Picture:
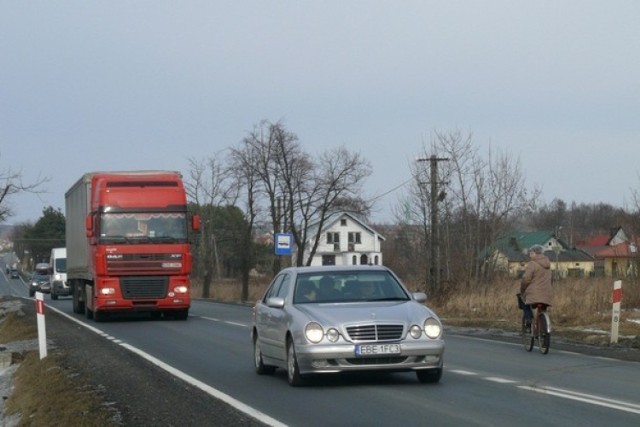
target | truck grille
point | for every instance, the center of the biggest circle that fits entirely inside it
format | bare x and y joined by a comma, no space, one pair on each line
144,287
143,263
375,332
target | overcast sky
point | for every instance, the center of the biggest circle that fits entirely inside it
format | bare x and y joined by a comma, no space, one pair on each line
123,85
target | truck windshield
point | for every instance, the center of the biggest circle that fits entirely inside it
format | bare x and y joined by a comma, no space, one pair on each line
143,228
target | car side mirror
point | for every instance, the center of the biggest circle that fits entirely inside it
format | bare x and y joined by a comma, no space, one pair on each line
275,302
420,296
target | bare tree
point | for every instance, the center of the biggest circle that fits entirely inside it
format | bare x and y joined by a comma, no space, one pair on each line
300,192
268,142
478,200
339,176
209,185
10,184
243,168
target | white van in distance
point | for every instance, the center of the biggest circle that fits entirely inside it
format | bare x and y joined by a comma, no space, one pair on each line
58,273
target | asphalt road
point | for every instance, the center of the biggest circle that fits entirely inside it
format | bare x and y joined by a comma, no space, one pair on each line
200,372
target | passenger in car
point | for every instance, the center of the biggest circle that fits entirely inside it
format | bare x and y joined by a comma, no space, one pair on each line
307,291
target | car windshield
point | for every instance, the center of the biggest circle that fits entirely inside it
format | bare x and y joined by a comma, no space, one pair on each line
351,286
39,277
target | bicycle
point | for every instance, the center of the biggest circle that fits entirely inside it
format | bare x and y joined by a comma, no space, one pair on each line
538,330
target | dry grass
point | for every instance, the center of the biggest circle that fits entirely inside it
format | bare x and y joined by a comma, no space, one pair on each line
45,395
14,327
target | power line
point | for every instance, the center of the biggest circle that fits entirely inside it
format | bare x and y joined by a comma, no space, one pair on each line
392,190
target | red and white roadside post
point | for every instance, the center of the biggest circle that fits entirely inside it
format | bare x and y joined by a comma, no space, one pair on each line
42,331
615,315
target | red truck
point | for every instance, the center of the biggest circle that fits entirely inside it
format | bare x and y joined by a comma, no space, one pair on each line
127,238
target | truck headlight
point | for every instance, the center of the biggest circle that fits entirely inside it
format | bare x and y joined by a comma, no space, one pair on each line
181,289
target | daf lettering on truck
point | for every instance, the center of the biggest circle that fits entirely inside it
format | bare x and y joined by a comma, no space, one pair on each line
128,246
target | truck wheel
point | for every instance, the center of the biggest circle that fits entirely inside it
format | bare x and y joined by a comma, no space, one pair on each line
78,306
88,313
54,296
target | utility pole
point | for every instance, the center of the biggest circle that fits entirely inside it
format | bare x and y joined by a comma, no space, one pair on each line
436,196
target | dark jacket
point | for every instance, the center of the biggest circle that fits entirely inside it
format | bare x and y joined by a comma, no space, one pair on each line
536,281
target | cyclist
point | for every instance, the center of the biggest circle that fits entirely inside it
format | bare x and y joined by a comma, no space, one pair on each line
535,285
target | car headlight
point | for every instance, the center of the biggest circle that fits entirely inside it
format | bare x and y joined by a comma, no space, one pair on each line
432,328
333,335
314,332
415,331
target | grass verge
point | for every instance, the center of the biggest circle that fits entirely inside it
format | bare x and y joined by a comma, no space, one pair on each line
42,392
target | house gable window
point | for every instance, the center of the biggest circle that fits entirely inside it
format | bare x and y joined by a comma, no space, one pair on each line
355,237
343,222
333,237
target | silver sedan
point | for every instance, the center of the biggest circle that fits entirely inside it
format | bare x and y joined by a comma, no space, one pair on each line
330,319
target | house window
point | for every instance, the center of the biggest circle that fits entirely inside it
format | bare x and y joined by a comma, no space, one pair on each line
333,237
354,237
343,222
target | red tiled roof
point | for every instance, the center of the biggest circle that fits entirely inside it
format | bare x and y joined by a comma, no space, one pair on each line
621,250
601,240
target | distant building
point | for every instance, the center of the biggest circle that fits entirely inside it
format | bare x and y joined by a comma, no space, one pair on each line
510,253
346,240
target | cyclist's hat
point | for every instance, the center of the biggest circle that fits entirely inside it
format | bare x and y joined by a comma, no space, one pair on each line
538,249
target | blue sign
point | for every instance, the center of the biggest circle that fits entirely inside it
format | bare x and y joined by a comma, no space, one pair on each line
284,244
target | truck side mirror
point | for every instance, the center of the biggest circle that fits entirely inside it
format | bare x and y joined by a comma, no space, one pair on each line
88,225
195,222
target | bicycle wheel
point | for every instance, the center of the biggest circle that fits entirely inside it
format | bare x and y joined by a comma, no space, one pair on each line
544,333
527,337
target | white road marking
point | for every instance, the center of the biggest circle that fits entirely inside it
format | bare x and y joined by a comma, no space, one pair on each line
591,399
587,398
213,319
500,380
461,372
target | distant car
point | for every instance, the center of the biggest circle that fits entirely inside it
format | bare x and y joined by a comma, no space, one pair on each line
14,273
39,283
331,319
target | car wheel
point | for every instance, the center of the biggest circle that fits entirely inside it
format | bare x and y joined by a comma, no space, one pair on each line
261,368
429,375
293,371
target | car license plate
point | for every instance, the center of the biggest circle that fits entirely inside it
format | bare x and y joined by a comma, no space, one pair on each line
377,349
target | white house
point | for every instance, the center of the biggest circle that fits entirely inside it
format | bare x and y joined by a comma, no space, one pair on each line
346,240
